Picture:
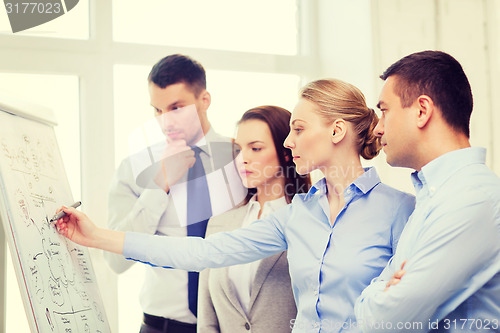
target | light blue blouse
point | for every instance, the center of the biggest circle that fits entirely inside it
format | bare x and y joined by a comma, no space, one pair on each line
330,263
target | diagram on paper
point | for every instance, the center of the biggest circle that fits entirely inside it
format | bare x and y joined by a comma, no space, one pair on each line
57,274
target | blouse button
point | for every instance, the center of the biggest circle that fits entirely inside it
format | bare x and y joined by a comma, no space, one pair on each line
247,326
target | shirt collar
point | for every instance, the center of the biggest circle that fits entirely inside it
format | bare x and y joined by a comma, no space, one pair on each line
209,137
273,204
368,180
437,171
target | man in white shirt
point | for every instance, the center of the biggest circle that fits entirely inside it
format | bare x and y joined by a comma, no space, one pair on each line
159,199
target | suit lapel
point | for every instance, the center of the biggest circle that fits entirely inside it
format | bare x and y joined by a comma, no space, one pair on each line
233,222
222,153
263,270
230,292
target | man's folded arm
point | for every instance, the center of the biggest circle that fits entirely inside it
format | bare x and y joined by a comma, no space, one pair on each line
454,246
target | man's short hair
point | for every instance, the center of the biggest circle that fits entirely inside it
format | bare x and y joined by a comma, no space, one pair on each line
439,76
178,68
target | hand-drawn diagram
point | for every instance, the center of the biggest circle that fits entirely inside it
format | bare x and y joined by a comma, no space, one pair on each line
57,275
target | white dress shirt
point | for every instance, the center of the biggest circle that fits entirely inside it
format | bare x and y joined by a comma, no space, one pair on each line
151,211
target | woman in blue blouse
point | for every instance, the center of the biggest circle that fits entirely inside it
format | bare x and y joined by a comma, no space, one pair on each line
339,235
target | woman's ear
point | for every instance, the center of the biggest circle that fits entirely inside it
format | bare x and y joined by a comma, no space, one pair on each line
339,130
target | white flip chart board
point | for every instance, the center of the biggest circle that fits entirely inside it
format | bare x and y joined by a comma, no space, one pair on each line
55,276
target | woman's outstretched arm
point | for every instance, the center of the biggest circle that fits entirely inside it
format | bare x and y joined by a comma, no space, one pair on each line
260,239
77,227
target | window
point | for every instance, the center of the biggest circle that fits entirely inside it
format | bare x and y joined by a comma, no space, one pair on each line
259,26
73,24
232,94
60,93
249,49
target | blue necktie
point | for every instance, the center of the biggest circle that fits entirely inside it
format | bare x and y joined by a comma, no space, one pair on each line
199,210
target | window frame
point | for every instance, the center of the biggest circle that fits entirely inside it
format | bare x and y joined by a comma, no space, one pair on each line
92,61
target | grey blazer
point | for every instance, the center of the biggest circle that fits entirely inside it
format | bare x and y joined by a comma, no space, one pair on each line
272,305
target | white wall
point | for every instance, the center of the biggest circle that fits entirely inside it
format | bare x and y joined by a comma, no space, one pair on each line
359,39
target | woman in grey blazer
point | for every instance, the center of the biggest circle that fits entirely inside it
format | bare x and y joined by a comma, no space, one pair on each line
258,296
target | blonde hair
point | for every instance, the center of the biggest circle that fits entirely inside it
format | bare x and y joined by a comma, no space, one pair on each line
338,99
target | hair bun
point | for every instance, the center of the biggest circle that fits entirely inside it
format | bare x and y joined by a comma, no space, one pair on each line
371,144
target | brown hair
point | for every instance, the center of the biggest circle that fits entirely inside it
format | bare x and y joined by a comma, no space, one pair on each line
278,121
178,68
339,99
439,76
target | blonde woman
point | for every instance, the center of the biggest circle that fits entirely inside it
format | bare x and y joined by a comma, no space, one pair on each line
339,235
